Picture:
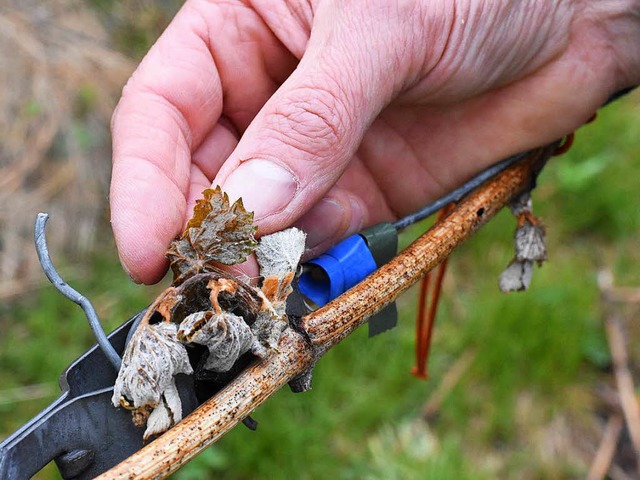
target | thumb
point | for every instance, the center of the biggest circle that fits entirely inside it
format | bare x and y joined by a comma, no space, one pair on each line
301,141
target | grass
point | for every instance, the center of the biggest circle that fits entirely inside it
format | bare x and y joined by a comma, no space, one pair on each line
537,355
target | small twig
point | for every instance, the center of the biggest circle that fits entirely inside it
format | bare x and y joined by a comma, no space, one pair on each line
448,383
625,295
618,473
326,327
13,288
624,381
27,393
614,294
618,348
607,449
64,288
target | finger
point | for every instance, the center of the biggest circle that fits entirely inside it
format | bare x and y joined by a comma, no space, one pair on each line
333,217
166,108
168,111
215,148
300,143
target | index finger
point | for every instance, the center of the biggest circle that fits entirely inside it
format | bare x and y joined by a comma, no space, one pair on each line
168,106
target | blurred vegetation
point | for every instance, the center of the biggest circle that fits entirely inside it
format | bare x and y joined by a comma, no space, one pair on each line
526,404
134,25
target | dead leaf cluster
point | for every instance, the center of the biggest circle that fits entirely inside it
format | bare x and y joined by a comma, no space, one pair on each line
206,306
530,247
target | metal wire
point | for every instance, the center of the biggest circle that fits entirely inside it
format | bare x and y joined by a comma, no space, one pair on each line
459,192
62,286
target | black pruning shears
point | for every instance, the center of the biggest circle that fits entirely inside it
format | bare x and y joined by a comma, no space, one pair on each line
81,430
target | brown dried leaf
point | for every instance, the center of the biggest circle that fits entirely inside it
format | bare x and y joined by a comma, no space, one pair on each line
226,233
276,290
521,204
185,262
268,329
218,232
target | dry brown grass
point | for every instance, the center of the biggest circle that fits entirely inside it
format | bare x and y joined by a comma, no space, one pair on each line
60,80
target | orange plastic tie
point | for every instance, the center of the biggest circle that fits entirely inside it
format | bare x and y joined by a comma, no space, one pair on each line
427,310
420,369
568,140
564,146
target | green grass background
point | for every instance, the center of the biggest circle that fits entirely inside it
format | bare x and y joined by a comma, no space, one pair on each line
537,356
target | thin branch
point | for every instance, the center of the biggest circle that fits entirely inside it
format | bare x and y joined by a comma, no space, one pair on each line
447,384
614,294
326,327
624,380
618,348
27,393
625,295
607,449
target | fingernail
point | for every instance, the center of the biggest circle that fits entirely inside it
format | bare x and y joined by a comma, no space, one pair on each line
264,186
323,222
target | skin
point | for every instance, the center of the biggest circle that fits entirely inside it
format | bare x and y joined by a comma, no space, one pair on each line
336,115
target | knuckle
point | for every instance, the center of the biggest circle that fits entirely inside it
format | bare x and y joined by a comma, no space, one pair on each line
313,120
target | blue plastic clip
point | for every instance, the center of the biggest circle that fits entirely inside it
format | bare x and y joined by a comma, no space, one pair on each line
340,268
347,264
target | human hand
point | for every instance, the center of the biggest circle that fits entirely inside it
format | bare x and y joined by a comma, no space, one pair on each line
338,115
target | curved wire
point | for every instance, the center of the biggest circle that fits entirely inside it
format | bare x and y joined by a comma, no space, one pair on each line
459,192
62,286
